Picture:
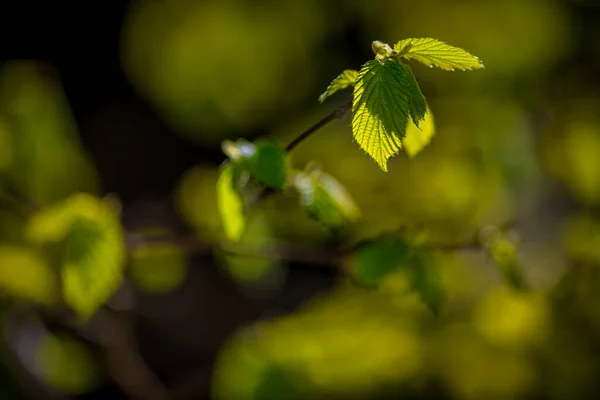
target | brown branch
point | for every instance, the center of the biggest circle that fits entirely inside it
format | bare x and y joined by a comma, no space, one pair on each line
124,362
280,251
337,114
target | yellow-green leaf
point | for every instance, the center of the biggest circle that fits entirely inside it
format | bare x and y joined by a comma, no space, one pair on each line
417,139
93,253
433,52
26,275
341,82
385,95
158,268
231,204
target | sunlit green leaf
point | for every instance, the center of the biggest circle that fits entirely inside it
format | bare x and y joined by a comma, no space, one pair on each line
230,204
433,52
417,139
373,262
268,165
341,82
26,275
93,254
326,199
158,268
385,95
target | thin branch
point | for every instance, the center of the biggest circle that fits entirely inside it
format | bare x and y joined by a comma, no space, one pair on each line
280,251
125,363
337,114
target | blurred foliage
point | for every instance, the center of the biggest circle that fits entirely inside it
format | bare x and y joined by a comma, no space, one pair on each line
158,268
92,249
66,364
25,274
35,127
189,58
216,70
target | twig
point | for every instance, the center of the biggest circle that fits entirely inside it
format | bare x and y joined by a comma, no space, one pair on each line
280,251
337,114
126,365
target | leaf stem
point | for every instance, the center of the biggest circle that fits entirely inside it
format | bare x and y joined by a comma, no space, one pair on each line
337,114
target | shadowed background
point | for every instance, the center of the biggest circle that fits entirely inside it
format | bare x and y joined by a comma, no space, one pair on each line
134,99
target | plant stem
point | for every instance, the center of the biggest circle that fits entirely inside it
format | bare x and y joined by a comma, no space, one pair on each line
337,114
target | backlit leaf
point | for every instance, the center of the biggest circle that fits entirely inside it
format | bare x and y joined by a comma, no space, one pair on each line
433,52
385,95
417,139
93,252
341,82
230,204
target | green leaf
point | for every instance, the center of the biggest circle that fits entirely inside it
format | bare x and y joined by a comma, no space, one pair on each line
230,203
93,255
268,165
373,262
433,52
325,199
385,95
341,82
417,139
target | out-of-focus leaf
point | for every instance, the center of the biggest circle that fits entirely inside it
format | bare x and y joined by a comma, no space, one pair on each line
158,268
325,199
337,347
417,139
386,94
341,82
269,164
373,262
26,275
66,364
582,239
196,199
230,203
433,52
255,275
47,161
512,317
93,255
505,253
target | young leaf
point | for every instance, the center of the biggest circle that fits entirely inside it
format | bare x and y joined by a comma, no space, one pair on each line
268,164
343,81
385,95
433,52
230,203
94,251
325,199
417,139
